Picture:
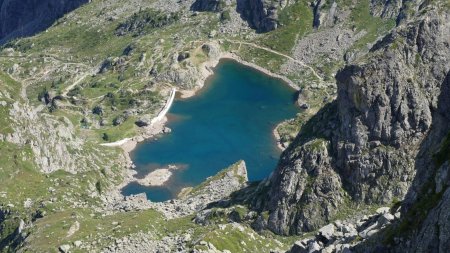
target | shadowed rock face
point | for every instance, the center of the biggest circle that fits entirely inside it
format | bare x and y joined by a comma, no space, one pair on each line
387,122
208,5
262,15
26,17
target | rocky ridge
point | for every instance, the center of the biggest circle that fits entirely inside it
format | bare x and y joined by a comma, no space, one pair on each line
190,200
361,153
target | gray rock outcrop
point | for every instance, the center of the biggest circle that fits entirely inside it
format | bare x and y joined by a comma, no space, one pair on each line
191,200
426,207
262,15
54,148
434,235
343,236
189,75
385,9
324,17
215,189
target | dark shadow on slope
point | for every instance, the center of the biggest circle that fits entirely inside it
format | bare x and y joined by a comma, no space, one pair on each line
21,18
208,5
260,18
243,8
426,160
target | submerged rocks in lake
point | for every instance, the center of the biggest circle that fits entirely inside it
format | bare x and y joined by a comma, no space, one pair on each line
191,200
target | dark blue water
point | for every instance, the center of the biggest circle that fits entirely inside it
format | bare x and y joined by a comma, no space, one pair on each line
230,119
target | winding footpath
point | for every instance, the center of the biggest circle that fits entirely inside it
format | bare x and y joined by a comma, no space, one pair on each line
81,78
116,143
280,54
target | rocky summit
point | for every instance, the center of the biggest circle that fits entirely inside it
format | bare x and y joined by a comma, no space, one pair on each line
364,164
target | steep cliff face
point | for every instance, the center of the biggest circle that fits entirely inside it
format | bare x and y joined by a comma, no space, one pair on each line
424,226
434,232
324,17
26,17
427,204
305,190
388,117
261,14
386,110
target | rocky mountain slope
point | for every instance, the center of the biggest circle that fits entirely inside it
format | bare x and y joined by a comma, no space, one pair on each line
379,137
24,18
366,164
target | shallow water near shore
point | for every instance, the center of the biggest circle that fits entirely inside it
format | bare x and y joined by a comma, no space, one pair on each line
230,119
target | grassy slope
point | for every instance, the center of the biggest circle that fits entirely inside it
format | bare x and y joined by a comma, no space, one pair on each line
295,23
374,26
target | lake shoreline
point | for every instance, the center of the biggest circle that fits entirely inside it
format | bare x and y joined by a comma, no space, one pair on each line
206,70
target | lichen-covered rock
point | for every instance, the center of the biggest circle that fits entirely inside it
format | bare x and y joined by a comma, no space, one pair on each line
309,182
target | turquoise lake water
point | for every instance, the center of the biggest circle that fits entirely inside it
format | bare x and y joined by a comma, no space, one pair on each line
230,119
